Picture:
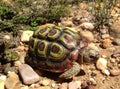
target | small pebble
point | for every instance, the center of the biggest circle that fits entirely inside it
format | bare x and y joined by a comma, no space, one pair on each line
105,36
64,86
2,84
74,85
26,35
106,43
17,63
101,64
45,82
87,25
2,77
53,85
24,87
88,35
7,37
116,54
106,72
67,23
116,41
112,60
103,79
115,72
28,75
43,87
84,85
92,80
12,80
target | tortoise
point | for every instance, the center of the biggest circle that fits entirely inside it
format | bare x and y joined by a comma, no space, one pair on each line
56,49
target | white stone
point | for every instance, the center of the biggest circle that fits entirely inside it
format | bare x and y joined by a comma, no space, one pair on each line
87,25
7,37
26,35
24,87
45,82
2,78
101,64
106,72
92,80
2,85
74,85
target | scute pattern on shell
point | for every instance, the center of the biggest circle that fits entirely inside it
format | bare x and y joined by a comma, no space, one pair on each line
54,48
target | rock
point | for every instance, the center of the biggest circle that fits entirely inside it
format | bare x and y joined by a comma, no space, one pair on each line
28,75
84,85
101,64
116,41
2,81
26,35
24,87
115,29
7,37
43,87
12,80
45,82
67,23
74,85
2,77
106,43
87,25
106,72
64,86
92,80
2,85
17,63
105,36
53,85
116,54
88,35
115,72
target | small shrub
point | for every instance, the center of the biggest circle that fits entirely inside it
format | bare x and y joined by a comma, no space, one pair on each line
101,12
17,14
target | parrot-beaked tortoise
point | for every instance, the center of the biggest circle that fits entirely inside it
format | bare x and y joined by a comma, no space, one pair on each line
56,49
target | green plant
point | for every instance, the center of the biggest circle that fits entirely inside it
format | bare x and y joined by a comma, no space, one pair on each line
19,14
101,12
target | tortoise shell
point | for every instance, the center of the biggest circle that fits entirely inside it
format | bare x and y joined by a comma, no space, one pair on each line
54,48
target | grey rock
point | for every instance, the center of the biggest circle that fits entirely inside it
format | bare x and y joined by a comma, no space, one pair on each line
115,29
28,75
116,41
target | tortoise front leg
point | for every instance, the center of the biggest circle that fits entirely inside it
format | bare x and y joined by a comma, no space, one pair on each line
70,73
